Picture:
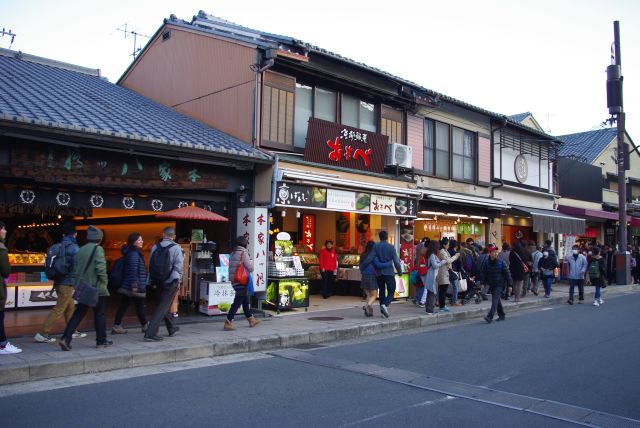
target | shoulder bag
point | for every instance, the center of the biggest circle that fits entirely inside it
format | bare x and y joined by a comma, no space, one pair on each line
525,268
84,292
241,276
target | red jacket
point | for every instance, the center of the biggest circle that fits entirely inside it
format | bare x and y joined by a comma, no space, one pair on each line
328,259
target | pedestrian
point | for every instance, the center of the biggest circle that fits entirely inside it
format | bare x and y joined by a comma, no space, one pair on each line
90,266
444,276
134,281
63,284
328,267
495,273
434,264
456,268
6,347
536,256
165,270
516,266
597,274
525,254
548,247
610,264
369,264
386,278
504,256
577,268
419,266
482,258
546,266
240,256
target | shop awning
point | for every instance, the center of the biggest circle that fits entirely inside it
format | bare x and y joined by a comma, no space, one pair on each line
550,221
635,221
192,213
492,203
583,212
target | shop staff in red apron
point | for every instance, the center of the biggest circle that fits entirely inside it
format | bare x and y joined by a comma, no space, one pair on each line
328,267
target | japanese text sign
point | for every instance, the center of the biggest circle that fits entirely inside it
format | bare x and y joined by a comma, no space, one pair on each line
254,224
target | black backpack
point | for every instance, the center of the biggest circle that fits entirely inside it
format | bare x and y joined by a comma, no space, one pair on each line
117,274
160,265
56,264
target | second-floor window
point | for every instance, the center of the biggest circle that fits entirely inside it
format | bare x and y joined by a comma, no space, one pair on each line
463,163
391,121
312,102
449,152
357,113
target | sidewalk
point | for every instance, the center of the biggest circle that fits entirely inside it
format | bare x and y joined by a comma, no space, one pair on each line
207,339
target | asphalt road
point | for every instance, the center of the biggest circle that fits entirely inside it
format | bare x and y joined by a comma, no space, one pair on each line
577,355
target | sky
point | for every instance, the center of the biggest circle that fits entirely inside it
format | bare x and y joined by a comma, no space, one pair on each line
509,57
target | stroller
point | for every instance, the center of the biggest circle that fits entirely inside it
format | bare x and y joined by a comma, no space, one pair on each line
474,291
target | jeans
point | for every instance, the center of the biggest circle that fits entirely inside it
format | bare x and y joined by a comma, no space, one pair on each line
98,319
327,280
386,289
430,306
496,304
3,334
64,306
419,294
580,284
442,295
547,281
167,294
454,291
240,299
598,294
124,305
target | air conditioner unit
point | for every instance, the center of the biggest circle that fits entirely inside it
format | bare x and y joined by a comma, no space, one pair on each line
399,154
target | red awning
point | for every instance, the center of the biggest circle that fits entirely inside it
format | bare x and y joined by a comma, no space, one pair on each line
635,221
583,212
192,213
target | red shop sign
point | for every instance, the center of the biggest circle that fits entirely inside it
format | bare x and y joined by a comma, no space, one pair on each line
334,144
309,232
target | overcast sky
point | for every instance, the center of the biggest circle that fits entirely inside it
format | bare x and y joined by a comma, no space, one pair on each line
547,57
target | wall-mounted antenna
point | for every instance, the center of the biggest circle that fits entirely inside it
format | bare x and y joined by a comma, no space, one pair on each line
135,35
10,34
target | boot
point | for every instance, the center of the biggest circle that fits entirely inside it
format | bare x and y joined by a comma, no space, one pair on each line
370,310
228,325
253,321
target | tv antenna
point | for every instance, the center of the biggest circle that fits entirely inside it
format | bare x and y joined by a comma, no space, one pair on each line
135,35
10,34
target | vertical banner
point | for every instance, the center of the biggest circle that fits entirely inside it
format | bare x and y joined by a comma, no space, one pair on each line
407,249
254,224
308,238
342,231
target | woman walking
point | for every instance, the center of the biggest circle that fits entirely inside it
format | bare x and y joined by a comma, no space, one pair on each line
443,273
456,267
597,273
240,256
369,284
546,266
429,280
92,267
134,283
516,266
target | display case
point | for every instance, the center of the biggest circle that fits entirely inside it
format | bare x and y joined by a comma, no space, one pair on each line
28,286
287,287
348,269
311,265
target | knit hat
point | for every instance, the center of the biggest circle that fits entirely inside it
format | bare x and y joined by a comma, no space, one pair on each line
94,234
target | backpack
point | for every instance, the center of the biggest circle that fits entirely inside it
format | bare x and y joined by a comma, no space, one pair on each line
594,269
56,265
116,276
160,266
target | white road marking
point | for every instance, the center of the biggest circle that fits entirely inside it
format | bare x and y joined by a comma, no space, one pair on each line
404,409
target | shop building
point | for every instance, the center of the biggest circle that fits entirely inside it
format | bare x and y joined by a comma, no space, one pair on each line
75,147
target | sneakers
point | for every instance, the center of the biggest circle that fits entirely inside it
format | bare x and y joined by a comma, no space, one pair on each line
78,335
596,302
570,302
174,315
384,311
104,344
9,349
487,319
600,301
502,318
43,339
155,338
145,327
174,331
119,329
445,309
420,305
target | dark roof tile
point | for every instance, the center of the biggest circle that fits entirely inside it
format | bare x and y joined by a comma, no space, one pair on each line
586,146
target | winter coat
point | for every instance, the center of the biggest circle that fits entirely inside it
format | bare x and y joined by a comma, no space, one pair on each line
176,255
328,260
135,272
504,256
577,266
386,253
239,255
495,273
599,282
537,256
429,280
456,265
96,268
443,271
71,249
369,264
548,263
5,271
515,266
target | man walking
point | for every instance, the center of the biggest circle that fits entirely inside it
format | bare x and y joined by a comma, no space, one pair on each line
577,268
385,276
495,273
165,270
535,270
63,284
6,348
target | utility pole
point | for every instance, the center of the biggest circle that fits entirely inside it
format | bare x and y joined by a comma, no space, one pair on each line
615,105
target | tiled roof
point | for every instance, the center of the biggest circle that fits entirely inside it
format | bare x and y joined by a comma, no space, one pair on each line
586,146
211,24
519,117
51,94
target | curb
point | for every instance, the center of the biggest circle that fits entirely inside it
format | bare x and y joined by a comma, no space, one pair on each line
43,368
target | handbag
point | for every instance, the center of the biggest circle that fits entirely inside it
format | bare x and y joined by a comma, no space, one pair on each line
84,292
241,276
462,286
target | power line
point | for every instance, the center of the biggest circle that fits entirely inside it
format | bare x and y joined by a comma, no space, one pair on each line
212,93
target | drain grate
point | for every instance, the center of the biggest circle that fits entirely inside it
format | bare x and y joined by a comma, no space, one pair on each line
326,319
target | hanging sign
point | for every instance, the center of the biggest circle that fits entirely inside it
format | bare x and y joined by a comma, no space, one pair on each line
308,232
381,204
341,200
253,223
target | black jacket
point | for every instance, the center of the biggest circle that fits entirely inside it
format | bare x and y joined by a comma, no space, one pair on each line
495,273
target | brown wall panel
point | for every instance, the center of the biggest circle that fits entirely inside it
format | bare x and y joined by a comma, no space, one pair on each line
415,139
187,66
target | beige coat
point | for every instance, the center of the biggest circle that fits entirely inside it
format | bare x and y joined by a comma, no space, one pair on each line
443,272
